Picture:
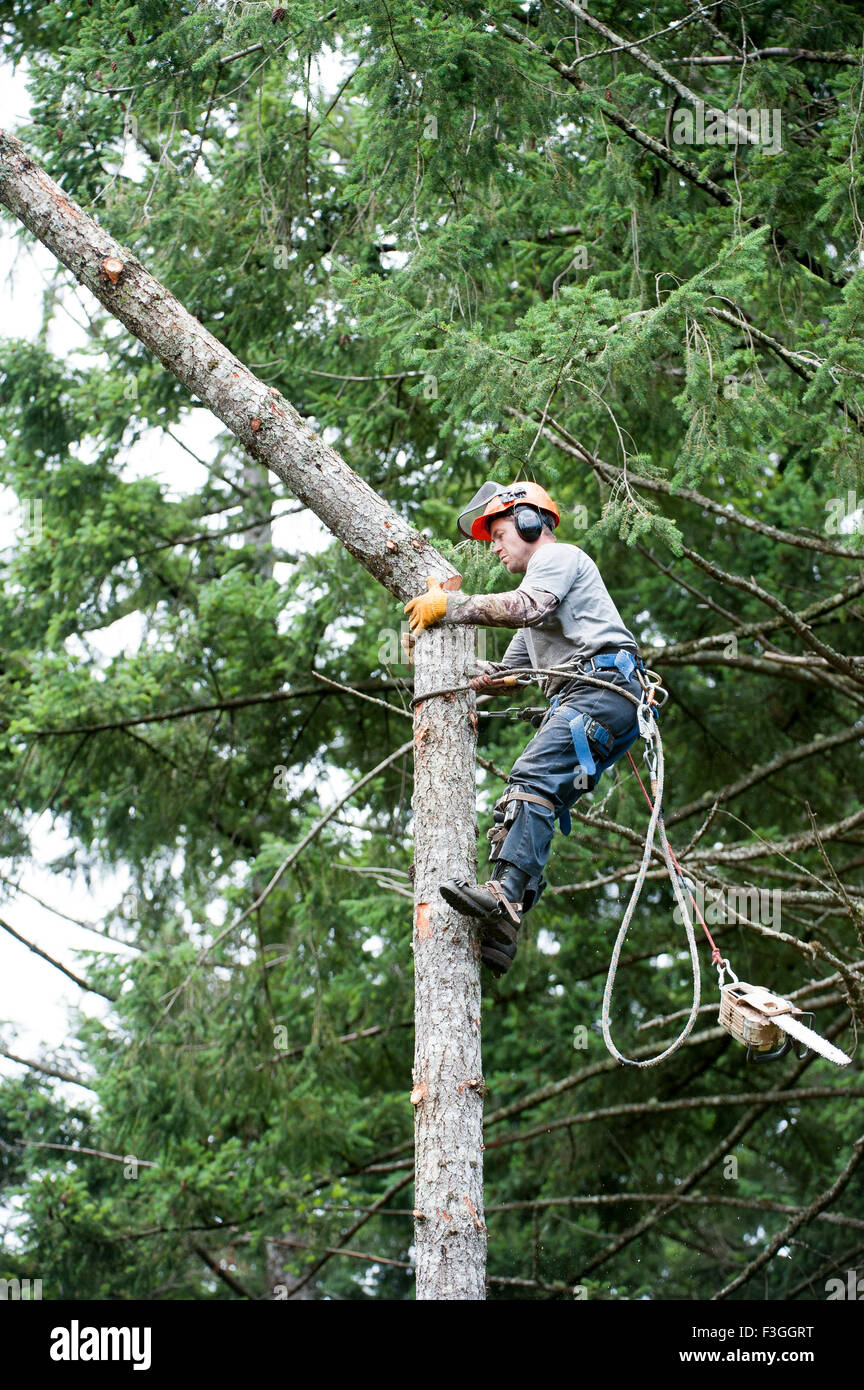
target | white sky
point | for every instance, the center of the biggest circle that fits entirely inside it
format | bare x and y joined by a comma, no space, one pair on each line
34,997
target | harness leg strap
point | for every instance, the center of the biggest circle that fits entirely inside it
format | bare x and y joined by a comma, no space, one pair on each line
505,814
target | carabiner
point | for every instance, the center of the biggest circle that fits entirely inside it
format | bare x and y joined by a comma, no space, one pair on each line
645,719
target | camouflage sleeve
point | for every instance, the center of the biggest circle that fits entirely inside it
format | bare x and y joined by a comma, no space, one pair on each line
518,608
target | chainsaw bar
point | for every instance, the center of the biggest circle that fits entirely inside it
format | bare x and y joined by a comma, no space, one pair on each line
799,1030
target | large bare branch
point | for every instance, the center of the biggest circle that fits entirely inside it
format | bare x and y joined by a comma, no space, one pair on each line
264,422
448,1111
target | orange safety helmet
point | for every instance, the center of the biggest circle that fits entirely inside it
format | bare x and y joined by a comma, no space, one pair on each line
501,501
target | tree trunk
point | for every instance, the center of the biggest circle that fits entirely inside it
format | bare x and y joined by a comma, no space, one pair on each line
448,1088
449,1233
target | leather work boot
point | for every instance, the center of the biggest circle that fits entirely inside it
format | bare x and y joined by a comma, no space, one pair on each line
498,905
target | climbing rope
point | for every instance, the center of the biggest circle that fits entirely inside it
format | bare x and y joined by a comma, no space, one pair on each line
656,765
569,671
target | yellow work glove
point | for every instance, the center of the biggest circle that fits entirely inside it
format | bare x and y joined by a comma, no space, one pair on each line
428,608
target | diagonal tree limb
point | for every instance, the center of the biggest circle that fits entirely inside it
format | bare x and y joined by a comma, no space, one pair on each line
48,1071
851,589
285,865
264,422
801,1219
227,1278
656,69
352,1230
78,1149
691,172
788,758
610,473
76,979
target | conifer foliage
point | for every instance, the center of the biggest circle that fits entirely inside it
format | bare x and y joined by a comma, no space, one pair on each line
621,257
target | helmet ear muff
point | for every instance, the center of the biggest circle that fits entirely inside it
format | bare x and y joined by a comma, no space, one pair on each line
529,522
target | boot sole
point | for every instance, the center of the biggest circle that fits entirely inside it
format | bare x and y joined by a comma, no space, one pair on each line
455,896
497,935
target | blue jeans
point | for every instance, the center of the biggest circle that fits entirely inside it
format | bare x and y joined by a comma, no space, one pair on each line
550,767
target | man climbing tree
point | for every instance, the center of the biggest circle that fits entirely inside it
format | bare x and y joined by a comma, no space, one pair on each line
567,621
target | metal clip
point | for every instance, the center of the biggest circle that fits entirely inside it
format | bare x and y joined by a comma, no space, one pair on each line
646,721
721,971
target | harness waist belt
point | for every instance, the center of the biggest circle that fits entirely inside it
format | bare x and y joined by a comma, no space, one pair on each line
622,660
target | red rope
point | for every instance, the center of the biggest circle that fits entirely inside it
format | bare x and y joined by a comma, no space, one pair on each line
716,953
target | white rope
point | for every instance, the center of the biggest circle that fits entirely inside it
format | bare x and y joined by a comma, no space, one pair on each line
651,734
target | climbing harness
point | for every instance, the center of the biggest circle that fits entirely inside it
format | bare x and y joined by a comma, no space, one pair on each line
504,815
752,1015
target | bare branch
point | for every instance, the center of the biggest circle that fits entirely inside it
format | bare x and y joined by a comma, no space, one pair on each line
662,1107
715,1199
799,1220
76,979
269,697
77,1149
48,1071
806,55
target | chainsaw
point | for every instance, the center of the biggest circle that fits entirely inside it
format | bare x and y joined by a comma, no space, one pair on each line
769,1025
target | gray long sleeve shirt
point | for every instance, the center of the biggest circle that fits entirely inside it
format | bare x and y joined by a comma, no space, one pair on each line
562,609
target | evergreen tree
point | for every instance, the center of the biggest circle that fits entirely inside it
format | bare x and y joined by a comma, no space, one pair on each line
488,243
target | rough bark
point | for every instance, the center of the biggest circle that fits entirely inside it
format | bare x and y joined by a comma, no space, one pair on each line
449,1230
448,1191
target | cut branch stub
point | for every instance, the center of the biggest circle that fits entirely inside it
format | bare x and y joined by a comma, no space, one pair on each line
111,269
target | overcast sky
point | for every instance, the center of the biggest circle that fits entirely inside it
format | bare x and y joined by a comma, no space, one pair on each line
35,999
